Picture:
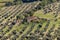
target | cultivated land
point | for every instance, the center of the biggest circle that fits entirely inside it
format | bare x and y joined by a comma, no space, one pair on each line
27,21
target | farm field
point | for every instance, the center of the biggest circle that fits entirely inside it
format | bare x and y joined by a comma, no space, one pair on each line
28,21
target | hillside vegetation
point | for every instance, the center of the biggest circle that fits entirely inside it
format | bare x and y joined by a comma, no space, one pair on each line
43,2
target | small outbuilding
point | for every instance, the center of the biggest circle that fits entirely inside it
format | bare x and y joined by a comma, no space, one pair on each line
32,18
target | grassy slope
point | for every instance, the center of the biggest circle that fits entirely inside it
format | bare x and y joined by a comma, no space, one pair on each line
6,0
50,16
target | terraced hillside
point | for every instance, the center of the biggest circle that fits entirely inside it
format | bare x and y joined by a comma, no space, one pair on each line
28,21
